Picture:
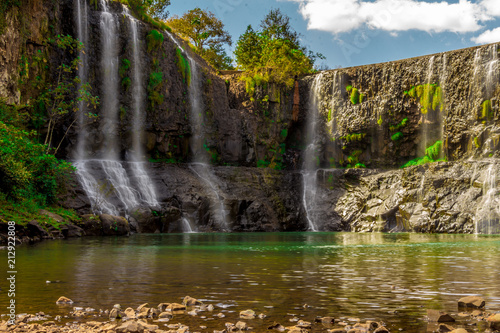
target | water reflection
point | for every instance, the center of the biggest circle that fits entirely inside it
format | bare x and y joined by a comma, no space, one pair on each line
394,277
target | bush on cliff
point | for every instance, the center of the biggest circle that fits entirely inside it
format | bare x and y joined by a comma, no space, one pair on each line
26,171
274,52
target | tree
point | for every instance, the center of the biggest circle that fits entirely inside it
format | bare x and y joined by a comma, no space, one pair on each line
57,97
206,32
217,57
157,9
273,53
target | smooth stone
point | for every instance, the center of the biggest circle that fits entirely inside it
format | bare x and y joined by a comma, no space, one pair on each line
142,306
130,327
494,321
471,302
64,300
165,315
276,326
438,316
381,329
210,307
190,301
445,328
114,314
176,307
130,313
459,330
163,306
241,325
261,316
303,324
247,314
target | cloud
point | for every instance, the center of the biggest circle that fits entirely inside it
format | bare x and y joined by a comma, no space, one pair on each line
338,16
489,36
492,6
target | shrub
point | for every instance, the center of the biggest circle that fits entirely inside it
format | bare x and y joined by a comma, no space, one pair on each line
354,96
26,171
397,136
183,66
154,39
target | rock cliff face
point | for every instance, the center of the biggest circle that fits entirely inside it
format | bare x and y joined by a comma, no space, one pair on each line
377,116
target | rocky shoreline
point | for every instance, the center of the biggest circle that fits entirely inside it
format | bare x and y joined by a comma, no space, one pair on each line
174,318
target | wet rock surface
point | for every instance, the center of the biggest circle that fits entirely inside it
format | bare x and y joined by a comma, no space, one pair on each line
144,319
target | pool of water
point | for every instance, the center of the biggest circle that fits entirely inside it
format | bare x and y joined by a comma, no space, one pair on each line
389,277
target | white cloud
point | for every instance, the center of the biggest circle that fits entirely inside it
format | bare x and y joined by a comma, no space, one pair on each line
492,7
489,36
337,16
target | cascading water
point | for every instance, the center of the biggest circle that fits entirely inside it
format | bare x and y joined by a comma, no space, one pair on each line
83,36
426,116
141,178
115,180
487,218
200,164
309,170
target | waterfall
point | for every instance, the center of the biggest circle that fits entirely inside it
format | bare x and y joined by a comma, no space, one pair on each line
110,187
83,36
487,217
196,114
220,211
200,164
186,226
110,83
147,192
310,167
492,71
426,120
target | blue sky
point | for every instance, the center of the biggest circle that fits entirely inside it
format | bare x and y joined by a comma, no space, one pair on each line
359,32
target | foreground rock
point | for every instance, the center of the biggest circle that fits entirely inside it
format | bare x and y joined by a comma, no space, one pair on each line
472,302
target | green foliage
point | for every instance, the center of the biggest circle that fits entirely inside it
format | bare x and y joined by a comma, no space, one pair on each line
348,88
57,96
284,133
401,124
263,164
183,66
434,151
150,11
329,115
380,120
12,115
477,143
274,52
354,96
486,110
154,40
26,171
126,82
155,84
429,97
431,155
206,32
397,136
353,160
361,98
352,137
124,67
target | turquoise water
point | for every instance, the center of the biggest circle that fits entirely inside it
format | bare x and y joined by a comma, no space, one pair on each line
389,277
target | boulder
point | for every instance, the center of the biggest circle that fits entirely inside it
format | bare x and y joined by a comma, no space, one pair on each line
439,317
176,307
130,313
71,230
475,302
381,329
130,327
34,229
114,225
147,222
115,314
494,321
64,300
92,225
190,301
247,314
